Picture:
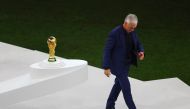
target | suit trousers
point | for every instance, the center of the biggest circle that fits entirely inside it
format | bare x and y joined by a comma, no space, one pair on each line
121,84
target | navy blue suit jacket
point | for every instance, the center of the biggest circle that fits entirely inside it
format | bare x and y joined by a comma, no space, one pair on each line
115,55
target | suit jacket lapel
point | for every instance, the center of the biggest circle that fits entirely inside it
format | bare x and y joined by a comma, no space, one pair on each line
134,41
123,39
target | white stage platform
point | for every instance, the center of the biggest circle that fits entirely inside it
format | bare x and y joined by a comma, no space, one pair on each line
169,93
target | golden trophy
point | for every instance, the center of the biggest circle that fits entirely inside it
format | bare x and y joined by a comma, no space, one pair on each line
51,45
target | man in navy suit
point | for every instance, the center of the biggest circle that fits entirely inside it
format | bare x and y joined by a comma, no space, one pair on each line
122,49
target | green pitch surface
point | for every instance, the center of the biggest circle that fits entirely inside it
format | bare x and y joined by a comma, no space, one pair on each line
81,28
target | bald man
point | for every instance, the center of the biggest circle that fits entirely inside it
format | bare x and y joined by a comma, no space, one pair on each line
122,49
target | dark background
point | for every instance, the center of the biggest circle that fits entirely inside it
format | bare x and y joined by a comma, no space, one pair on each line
81,28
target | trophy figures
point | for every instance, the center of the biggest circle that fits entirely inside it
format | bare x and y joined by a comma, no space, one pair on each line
51,45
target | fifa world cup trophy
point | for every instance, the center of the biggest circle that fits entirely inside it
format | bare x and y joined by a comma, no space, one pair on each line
51,45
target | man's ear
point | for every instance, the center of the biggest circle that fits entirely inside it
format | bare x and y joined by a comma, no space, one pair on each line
125,24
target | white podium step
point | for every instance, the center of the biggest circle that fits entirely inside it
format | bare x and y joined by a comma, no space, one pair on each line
170,93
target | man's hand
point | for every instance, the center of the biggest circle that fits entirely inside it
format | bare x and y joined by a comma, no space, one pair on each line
141,55
107,72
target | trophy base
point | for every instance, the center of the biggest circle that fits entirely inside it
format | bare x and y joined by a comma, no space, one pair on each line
51,59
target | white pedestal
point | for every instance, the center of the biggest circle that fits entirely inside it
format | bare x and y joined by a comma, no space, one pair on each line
45,69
